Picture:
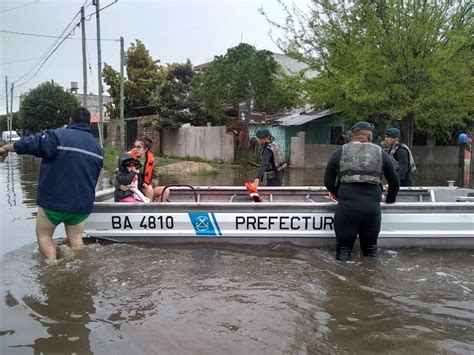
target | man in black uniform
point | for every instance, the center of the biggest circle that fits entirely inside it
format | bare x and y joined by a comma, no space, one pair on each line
401,156
272,160
354,176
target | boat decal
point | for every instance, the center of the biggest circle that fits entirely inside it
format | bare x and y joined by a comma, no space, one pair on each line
216,224
202,224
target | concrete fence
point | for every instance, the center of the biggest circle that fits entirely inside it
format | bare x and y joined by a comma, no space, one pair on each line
215,143
204,142
317,155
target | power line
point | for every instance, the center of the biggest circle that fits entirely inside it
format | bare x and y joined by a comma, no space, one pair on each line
17,7
90,15
36,67
19,61
47,53
48,36
46,59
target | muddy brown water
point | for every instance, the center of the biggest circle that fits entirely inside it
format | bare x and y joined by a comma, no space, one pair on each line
278,299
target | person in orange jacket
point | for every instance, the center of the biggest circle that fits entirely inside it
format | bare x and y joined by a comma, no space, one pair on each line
142,152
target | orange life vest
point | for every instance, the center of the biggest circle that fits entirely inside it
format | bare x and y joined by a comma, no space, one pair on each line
149,165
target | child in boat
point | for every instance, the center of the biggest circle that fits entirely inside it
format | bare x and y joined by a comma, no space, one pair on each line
128,180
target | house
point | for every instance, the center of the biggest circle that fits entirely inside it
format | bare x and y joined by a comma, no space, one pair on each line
289,65
320,127
93,107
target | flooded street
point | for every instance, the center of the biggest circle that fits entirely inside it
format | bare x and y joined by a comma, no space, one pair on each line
278,299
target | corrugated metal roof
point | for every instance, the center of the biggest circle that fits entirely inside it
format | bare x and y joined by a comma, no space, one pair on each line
297,119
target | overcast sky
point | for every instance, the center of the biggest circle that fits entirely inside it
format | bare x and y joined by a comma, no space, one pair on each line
172,30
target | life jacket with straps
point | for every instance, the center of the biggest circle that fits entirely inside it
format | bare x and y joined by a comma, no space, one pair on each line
148,167
361,162
396,164
278,156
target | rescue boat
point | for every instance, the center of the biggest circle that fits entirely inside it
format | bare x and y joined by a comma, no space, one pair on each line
428,217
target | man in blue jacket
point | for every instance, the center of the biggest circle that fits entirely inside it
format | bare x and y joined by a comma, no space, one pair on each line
70,167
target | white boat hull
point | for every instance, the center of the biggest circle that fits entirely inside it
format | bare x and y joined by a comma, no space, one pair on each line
279,219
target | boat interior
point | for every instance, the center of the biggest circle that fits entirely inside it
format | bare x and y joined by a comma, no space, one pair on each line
235,194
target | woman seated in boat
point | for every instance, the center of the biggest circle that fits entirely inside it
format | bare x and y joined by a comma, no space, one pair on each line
142,152
129,179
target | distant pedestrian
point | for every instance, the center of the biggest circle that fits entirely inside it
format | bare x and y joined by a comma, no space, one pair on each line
401,156
354,176
70,166
272,160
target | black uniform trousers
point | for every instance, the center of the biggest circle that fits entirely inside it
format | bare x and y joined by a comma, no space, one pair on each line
348,222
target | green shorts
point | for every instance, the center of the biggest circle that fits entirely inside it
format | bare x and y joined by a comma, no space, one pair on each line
69,218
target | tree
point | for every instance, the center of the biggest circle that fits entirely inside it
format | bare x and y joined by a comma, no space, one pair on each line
174,101
244,73
398,60
46,106
144,77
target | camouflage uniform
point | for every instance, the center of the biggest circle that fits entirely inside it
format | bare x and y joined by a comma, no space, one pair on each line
272,164
403,162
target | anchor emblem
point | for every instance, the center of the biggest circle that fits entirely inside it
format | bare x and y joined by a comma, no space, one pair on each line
202,223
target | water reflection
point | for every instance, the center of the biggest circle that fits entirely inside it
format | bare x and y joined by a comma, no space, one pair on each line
265,300
63,307
28,172
11,177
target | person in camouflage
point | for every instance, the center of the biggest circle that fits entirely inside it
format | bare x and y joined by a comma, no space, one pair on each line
272,160
354,176
401,156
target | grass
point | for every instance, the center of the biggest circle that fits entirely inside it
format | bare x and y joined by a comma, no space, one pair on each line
111,156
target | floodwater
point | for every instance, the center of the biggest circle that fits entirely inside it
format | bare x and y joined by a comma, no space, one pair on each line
131,299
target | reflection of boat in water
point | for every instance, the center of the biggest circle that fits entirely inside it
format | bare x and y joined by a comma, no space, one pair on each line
436,217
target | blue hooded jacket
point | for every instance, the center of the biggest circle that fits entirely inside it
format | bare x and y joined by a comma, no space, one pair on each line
70,167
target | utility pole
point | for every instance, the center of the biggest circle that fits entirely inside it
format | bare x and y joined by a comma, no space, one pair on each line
6,102
99,68
84,61
122,98
11,111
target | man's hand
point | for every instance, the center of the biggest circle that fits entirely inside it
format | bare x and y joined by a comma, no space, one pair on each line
5,150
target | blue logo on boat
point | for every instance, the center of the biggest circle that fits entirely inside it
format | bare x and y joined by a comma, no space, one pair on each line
205,224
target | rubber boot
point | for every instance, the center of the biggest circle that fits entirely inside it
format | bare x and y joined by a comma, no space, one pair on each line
343,254
370,251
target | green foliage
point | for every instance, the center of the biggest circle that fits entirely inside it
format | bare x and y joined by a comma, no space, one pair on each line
388,59
16,122
143,78
244,73
111,156
46,106
175,103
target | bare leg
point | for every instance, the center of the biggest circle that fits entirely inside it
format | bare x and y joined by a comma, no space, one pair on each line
74,235
148,192
157,191
44,234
